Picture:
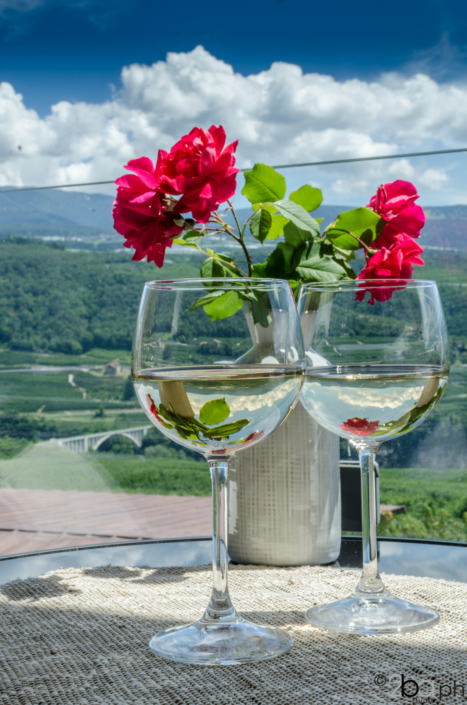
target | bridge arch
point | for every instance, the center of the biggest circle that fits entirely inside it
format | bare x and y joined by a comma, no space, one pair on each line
125,434
80,444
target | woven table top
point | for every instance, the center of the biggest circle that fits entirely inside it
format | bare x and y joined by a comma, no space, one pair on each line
80,636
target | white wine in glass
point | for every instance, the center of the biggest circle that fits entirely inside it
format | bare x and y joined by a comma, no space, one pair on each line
204,381
374,372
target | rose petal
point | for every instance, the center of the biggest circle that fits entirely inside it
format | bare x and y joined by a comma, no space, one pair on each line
144,168
218,135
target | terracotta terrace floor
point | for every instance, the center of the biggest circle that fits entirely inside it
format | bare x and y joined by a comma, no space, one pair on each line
35,520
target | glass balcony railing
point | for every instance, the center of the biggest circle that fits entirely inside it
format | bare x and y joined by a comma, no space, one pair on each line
79,463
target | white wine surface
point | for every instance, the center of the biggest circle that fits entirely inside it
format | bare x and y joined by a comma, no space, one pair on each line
372,402
218,409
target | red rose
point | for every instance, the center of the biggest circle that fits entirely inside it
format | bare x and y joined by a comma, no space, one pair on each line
394,262
253,438
360,427
395,203
152,407
200,170
143,215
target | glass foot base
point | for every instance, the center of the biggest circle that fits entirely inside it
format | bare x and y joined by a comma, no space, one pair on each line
373,613
221,643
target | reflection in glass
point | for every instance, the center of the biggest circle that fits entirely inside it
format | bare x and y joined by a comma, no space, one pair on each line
216,378
375,371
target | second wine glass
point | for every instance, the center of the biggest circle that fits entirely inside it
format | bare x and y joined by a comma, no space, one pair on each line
217,366
377,365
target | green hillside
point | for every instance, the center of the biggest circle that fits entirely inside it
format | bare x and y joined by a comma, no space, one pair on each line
65,314
54,300
61,309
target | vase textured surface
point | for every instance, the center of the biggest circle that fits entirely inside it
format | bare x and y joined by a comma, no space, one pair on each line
284,497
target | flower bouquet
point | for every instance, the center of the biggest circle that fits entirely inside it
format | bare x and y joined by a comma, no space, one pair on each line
179,201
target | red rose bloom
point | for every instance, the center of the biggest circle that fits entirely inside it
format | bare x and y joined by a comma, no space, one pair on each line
360,427
253,438
200,170
152,407
394,262
395,203
141,213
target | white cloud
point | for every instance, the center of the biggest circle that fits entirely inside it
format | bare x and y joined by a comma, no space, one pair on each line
280,116
402,169
434,179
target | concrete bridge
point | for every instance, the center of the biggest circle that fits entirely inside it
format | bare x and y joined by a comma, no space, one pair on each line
80,444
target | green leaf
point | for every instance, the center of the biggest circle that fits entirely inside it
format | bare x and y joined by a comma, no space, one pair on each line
279,262
340,253
226,430
260,225
214,412
263,184
193,235
259,270
275,266
211,269
296,236
260,314
277,227
315,266
307,197
271,209
362,222
163,419
343,257
225,258
190,238
179,241
298,215
204,300
224,306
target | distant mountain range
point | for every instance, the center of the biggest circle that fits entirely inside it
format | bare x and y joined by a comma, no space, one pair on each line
56,208
82,216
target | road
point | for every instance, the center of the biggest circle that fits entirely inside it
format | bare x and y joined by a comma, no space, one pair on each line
40,370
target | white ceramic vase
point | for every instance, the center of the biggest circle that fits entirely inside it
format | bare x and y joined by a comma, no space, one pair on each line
284,492
284,497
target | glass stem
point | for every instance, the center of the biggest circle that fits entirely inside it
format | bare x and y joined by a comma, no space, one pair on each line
220,606
370,581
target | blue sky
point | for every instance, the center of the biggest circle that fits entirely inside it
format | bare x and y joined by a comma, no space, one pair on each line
89,84
53,50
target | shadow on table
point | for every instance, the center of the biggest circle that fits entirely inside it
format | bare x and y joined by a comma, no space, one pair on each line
36,589
137,575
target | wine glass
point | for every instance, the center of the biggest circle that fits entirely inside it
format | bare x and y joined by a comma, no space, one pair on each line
209,381
376,368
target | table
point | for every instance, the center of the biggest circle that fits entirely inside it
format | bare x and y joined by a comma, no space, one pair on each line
80,635
435,559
